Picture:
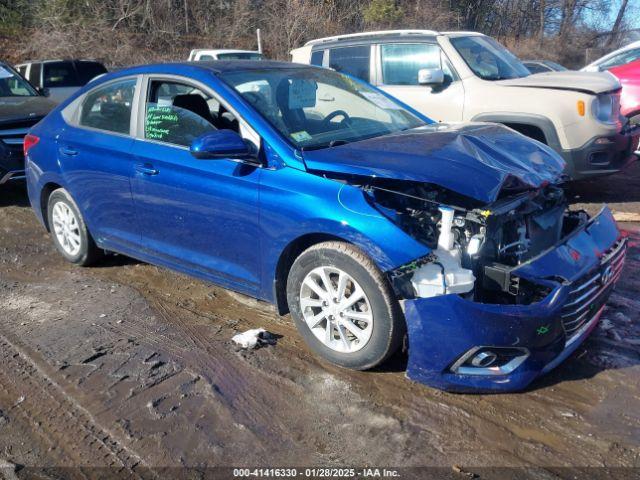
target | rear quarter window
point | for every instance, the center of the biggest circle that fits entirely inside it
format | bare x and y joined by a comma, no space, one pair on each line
353,61
317,57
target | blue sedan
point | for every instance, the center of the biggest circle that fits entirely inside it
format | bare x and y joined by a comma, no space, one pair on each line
373,226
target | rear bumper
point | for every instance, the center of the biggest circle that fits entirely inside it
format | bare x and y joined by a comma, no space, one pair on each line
445,330
9,176
603,155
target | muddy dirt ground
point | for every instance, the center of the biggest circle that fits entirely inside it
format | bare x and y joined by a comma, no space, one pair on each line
129,366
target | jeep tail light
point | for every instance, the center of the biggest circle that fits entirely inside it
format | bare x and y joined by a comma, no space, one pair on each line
29,141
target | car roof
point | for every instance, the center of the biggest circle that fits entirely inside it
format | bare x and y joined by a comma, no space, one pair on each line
214,66
386,35
221,50
27,62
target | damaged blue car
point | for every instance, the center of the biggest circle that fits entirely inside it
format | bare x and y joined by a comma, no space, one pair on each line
316,192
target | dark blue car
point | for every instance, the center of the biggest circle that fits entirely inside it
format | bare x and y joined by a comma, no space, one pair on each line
314,191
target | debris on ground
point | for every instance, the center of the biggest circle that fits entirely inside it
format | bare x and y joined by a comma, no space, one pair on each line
8,470
253,338
461,471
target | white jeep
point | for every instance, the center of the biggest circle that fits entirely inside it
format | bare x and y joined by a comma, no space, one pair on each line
467,76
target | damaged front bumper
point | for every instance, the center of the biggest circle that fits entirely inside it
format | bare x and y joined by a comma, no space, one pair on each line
451,338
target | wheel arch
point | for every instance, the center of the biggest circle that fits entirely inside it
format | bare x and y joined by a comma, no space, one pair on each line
285,262
45,193
525,123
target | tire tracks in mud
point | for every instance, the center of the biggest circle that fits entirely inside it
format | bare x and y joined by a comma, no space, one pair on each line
57,416
245,402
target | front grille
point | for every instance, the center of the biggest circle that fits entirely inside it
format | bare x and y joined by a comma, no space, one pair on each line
590,292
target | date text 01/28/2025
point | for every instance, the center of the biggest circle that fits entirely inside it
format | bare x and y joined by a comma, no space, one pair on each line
315,472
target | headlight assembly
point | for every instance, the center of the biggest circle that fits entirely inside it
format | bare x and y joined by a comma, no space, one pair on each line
606,108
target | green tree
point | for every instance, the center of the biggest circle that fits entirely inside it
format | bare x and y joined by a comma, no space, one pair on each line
383,13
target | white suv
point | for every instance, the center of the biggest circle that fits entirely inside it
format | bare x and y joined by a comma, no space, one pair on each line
206,55
467,76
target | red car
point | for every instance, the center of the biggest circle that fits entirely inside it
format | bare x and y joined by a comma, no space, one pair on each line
629,76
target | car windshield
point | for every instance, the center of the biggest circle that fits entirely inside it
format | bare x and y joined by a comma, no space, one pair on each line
240,56
318,108
13,85
556,66
488,59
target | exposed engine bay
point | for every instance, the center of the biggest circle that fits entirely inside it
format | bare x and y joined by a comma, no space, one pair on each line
474,247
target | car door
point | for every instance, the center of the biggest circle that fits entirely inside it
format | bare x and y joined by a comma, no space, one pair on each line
199,216
94,151
397,74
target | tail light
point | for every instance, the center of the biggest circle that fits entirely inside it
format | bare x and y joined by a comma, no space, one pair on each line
29,141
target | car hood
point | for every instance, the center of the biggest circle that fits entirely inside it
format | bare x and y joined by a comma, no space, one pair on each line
587,82
629,72
473,159
24,108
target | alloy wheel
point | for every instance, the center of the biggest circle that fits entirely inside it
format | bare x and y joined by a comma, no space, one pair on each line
336,309
66,228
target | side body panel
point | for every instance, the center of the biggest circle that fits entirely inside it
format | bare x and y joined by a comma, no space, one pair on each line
201,214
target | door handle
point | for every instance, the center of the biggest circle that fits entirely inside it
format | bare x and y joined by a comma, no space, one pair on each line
68,152
146,169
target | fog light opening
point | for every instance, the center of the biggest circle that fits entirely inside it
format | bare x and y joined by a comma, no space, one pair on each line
484,359
490,361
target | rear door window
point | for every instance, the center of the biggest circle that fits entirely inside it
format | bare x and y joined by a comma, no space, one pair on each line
109,107
60,74
87,71
354,60
401,62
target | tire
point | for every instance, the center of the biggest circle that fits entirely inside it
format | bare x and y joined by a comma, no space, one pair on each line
348,341
69,231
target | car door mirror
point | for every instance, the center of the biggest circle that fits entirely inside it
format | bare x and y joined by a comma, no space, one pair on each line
223,144
430,76
45,92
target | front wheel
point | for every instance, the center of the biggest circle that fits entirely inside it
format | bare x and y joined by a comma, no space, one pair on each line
68,230
343,306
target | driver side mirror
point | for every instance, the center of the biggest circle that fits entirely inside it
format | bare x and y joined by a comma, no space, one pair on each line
43,91
219,144
430,76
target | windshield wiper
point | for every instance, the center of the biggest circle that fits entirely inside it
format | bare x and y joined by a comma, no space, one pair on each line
332,143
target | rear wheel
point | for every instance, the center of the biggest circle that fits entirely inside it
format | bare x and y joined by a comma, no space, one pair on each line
68,230
343,306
